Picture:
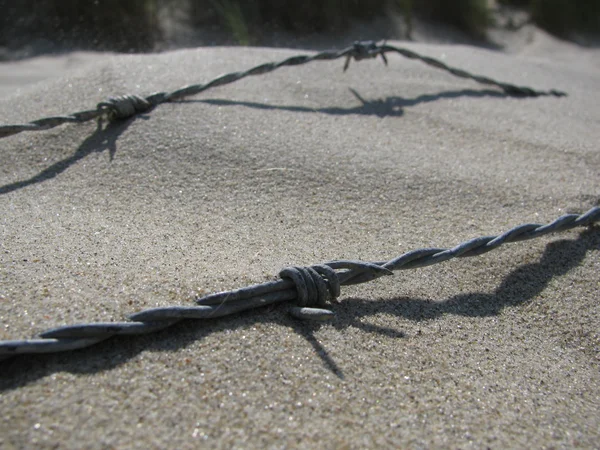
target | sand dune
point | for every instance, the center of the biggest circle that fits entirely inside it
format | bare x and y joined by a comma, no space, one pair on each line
302,166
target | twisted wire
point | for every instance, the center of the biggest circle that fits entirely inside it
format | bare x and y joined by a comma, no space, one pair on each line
309,287
509,89
129,105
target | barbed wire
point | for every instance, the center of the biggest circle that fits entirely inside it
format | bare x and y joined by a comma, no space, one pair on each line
126,106
310,288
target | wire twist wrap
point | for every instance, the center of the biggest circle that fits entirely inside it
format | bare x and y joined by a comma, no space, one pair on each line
125,106
315,285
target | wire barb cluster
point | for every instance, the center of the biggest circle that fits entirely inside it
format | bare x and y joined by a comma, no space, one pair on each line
310,288
129,105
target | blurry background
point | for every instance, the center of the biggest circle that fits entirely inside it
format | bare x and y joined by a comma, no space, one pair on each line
30,27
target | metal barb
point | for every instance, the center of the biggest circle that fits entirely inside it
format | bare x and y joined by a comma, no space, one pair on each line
305,286
363,50
118,108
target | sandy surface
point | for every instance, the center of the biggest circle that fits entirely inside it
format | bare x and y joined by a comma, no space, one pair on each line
15,76
302,166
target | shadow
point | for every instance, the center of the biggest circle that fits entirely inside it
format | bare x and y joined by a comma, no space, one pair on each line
390,106
307,331
519,287
103,138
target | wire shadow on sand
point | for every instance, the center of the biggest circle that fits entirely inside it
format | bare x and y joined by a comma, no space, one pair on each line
518,288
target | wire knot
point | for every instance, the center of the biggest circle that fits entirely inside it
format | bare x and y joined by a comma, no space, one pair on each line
363,50
315,285
125,106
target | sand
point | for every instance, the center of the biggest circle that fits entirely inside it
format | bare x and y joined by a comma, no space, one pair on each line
302,166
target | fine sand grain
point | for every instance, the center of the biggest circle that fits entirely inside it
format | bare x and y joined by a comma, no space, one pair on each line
301,166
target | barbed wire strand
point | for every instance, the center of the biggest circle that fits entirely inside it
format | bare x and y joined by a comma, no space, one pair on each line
126,106
310,288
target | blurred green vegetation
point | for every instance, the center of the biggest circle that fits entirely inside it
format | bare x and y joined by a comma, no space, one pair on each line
115,24
472,16
252,16
134,25
564,16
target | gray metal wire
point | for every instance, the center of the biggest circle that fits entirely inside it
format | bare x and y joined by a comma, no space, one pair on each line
309,287
129,105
